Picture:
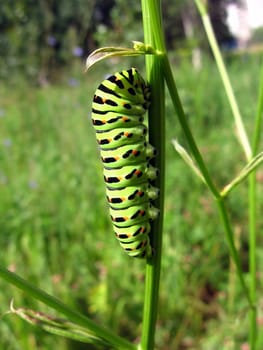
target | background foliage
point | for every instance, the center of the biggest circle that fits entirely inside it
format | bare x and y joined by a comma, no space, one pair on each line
41,38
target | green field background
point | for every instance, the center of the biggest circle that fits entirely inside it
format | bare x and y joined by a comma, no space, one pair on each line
55,229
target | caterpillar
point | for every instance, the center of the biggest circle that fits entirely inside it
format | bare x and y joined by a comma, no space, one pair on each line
118,109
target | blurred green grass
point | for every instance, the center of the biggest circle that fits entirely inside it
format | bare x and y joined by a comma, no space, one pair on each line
55,228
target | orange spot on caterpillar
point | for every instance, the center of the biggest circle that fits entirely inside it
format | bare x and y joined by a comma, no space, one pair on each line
124,119
137,172
134,152
121,219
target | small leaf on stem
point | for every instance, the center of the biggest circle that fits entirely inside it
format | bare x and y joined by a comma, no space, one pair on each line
187,158
251,166
56,325
102,53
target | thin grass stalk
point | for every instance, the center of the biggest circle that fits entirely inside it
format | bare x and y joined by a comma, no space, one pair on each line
252,221
232,283
184,124
232,248
240,129
252,260
159,44
249,154
206,175
259,115
81,320
152,34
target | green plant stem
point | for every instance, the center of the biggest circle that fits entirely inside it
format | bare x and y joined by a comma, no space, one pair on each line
252,219
231,244
153,36
112,339
241,132
259,114
182,119
252,260
202,167
249,154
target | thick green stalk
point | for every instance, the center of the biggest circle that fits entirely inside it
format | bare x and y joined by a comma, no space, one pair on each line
153,36
241,132
252,219
73,316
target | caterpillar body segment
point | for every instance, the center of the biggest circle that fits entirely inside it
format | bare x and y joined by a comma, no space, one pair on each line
128,154
118,109
114,137
105,104
111,120
124,94
133,215
127,234
129,175
131,195
139,248
126,85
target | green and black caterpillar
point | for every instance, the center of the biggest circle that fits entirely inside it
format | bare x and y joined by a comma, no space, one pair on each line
118,107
